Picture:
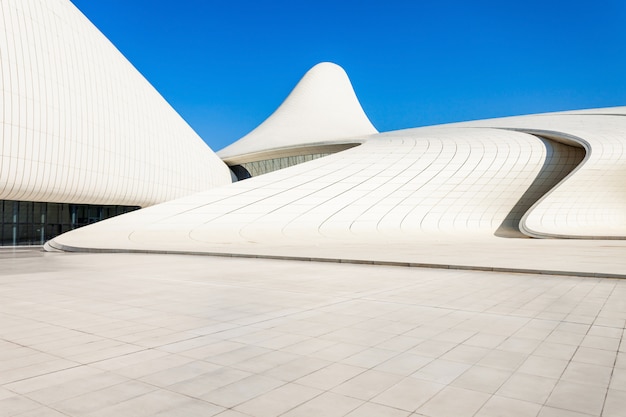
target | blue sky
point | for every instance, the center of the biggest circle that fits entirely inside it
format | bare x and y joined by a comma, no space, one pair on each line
226,65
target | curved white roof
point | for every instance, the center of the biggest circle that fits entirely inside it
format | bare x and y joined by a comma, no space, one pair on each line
398,185
591,201
553,175
80,124
322,108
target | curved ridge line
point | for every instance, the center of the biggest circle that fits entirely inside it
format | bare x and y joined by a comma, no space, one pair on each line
567,139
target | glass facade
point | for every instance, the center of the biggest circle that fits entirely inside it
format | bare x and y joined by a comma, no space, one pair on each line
33,223
256,168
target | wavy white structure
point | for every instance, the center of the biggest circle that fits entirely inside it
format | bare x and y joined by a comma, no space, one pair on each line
321,110
556,175
591,202
79,124
467,194
400,185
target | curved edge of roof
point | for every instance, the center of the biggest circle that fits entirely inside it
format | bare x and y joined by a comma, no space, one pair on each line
296,150
322,108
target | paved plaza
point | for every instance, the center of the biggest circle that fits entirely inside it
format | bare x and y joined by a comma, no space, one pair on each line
176,335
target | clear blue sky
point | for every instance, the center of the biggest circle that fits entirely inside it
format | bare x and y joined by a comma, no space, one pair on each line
225,65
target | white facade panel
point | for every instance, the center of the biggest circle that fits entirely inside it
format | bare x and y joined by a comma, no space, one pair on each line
80,124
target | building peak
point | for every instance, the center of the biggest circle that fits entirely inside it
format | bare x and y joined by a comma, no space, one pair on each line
322,107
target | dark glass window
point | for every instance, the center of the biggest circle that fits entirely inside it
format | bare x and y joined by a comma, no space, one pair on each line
256,168
33,223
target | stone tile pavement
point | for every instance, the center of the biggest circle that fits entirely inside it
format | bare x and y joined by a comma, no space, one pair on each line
173,335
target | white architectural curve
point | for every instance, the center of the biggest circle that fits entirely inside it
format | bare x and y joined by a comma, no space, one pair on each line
322,109
399,186
450,194
591,202
79,124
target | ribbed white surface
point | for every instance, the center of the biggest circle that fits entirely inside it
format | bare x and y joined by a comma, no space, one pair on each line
80,124
408,183
321,108
591,202
399,186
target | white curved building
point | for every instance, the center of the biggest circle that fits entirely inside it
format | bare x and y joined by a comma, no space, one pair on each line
506,205
82,126
321,109
591,202
493,182
321,116
79,124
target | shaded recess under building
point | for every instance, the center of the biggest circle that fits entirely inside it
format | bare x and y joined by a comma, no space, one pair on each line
258,164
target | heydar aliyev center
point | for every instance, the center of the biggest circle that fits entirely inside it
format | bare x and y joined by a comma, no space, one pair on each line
83,130
314,268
